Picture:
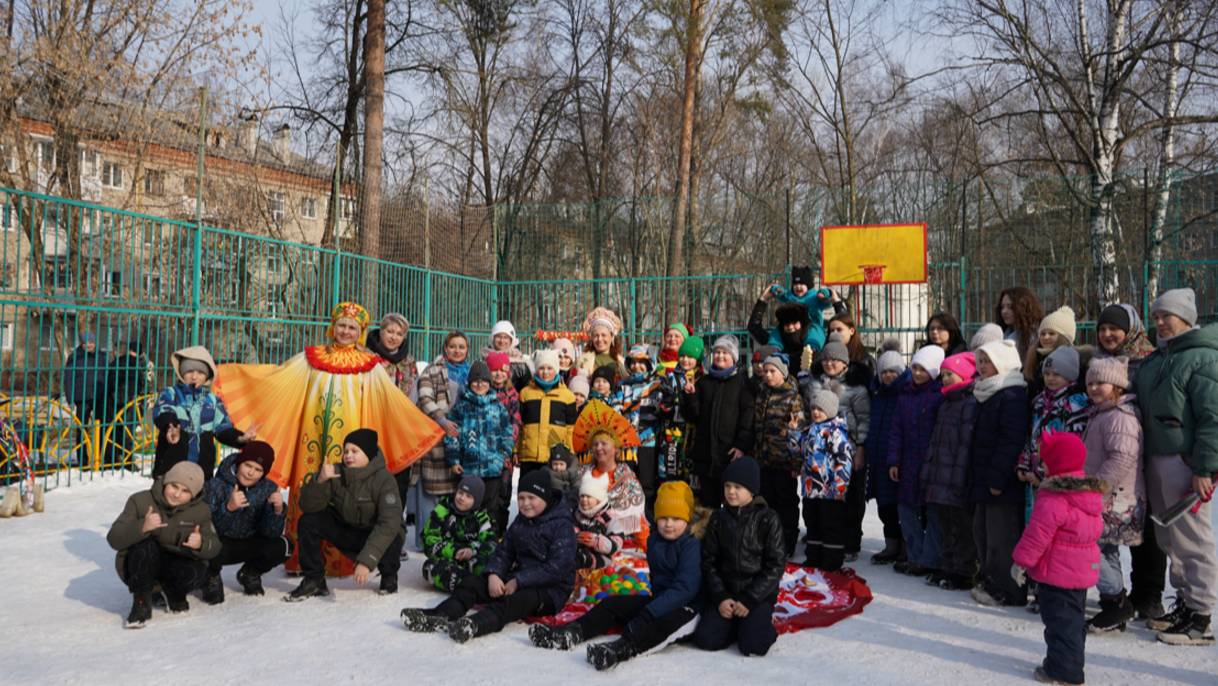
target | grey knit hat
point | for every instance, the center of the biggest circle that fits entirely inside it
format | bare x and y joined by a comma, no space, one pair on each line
730,344
1181,302
835,349
1113,370
891,361
827,401
1063,362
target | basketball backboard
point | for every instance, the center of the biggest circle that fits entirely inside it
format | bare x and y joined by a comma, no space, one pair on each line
873,254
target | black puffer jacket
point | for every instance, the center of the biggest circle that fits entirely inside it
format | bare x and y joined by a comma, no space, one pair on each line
722,412
944,477
743,554
999,433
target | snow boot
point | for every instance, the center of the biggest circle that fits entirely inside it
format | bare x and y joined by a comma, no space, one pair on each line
12,500
39,498
308,588
251,583
1148,609
141,611
1115,612
1043,677
463,629
213,590
607,655
177,603
957,582
983,597
1168,619
852,556
935,577
890,553
423,621
1193,629
389,585
556,637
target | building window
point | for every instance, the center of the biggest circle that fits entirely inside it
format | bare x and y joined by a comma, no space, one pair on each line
308,207
6,216
152,286
274,264
88,163
113,286
112,175
8,159
274,203
346,208
6,337
152,232
7,274
45,152
154,182
58,273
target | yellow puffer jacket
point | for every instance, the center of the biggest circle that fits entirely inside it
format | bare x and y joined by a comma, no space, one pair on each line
546,420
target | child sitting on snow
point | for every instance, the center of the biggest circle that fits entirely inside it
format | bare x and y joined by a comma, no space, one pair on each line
592,518
827,455
190,418
248,512
565,473
356,509
164,535
648,622
1058,550
740,575
531,573
459,538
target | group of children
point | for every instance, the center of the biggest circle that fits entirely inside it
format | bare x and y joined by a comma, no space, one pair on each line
988,488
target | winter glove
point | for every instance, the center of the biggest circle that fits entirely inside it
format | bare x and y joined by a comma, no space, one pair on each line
805,358
597,542
1019,574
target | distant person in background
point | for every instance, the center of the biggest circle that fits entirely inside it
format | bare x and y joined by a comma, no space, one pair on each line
124,381
943,330
1018,312
82,371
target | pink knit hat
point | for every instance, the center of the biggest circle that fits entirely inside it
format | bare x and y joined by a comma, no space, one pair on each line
1062,452
963,365
497,360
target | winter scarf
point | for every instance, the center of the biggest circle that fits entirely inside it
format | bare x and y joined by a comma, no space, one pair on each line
458,372
984,389
718,373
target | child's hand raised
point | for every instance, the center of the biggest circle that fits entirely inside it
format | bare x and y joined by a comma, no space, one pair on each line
236,500
195,540
689,387
251,435
328,471
152,521
276,501
793,422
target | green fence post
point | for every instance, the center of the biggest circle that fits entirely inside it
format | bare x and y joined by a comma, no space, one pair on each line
196,287
963,289
335,279
634,309
427,316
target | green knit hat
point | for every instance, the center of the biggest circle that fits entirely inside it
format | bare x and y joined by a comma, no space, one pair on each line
678,326
693,347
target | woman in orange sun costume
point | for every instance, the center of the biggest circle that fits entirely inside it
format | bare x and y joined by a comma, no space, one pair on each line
601,434
305,406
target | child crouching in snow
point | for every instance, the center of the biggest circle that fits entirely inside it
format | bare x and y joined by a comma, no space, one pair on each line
648,622
827,455
1059,551
531,573
164,535
459,538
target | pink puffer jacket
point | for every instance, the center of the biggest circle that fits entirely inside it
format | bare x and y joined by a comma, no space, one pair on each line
1059,546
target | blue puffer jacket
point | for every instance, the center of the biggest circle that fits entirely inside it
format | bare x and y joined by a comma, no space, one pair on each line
257,519
539,553
485,440
676,573
909,441
883,414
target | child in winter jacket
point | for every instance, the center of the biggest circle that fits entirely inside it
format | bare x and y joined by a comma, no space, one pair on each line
917,405
603,383
248,512
851,381
1113,439
1058,550
944,478
720,405
483,444
1056,330
885,389
597,545
531,573
1061,406
743,560
547,413
565,473
639,399
827,455
355,508
778,403
999,431
648,622
501,380
673,458
459,538
164,535
190,418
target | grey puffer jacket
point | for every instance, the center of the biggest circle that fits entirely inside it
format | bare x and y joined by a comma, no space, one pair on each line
1114,455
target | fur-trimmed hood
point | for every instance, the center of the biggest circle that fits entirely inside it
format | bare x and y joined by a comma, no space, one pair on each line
1072,483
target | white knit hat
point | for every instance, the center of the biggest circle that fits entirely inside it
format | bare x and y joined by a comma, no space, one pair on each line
929,357
542,358
504,326
1060,320
988,333
1003,355
891,361
595,486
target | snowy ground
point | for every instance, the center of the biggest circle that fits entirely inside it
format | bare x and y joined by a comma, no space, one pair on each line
63,608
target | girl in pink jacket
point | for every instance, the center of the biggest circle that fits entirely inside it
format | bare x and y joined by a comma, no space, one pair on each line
1059,551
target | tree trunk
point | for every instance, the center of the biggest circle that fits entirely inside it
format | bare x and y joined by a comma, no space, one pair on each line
374,131
676,233
1167,160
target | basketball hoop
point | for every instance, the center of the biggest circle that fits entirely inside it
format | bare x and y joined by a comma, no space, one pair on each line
873,273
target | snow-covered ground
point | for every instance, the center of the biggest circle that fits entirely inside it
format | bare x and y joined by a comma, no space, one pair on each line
63,607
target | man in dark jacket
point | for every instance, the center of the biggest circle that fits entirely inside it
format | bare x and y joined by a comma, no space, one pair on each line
531,573
80,374
720,406
1177,390
122,382
356,509
248,511
743,559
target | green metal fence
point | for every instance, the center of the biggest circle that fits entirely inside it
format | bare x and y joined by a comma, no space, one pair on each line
144,286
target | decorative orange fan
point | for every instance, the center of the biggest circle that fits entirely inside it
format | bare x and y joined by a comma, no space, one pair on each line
597,417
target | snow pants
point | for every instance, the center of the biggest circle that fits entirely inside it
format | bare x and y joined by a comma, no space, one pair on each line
826,523
316,527
147,564
619,610
495,613
753,634
1062,611
781,492
1189,542
260,554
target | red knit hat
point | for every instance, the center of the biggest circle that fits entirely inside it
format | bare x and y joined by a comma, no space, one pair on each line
497,360
1062,452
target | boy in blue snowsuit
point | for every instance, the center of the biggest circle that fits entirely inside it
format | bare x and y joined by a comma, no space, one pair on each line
484,441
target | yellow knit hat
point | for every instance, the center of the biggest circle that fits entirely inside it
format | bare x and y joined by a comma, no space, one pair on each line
675,499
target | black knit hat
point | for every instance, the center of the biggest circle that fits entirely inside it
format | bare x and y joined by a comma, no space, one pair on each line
1115,315
537,482
365,440
743,471
801,275
606,372
561,453
475,487
257,451
478,371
